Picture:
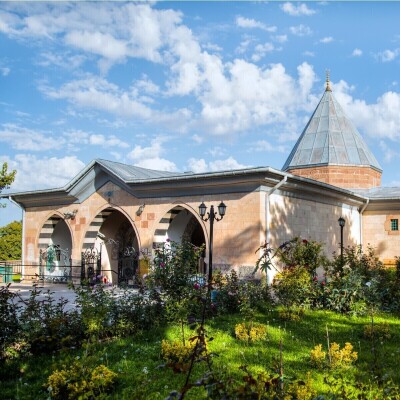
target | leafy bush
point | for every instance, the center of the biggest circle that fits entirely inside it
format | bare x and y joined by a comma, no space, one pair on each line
377,331
293,287
250,332
173,269
298,252
337,357
80,382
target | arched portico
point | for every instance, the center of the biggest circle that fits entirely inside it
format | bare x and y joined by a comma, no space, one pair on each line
178,224
55,247
110,248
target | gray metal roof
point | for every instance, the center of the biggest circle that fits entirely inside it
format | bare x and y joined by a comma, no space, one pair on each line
330,138
380,193
129,173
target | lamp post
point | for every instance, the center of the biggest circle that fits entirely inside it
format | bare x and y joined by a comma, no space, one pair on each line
211,216
342,223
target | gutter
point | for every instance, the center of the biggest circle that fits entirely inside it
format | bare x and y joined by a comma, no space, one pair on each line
361,222
267,211
23,234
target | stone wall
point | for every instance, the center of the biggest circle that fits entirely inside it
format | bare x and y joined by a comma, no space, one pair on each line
236,236
342,176
376,232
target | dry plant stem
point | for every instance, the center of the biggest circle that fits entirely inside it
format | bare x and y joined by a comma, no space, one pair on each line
281,363
329,349
193,357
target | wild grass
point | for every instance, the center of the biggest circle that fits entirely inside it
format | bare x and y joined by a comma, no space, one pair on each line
137,359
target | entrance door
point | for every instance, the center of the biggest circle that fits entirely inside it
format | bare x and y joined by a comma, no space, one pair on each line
127,267
91,265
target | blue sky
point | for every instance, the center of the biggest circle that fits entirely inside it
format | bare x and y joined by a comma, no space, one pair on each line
181,86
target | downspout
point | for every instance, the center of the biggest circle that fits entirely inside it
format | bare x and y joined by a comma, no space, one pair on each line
361,222
267,211
23,234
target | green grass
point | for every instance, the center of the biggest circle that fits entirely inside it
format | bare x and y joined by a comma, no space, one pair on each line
137,359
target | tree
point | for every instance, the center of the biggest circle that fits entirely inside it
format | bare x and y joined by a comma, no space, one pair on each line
6,178
11,241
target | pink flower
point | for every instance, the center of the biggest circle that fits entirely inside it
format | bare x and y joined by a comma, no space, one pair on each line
196,286
168,240
305,241
162,265
315,278
323,283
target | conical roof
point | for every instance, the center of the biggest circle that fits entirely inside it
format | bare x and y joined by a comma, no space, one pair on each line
330,138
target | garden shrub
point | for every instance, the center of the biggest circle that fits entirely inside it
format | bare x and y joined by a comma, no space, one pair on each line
335,358
291,314
80,382
293,287
318,357
357,283
173,269
377,331
9,321
177,354
250,331
298,252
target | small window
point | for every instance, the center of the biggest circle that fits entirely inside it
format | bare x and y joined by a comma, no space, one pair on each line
394,224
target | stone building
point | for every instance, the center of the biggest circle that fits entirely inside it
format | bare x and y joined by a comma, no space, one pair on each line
111,207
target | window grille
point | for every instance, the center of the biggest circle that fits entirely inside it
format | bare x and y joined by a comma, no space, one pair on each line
394,224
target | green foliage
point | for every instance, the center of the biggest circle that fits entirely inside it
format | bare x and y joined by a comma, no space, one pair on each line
357,283
293,287
173,269
233,295
380,332
11,241
9,322
80,381
6,179
298,252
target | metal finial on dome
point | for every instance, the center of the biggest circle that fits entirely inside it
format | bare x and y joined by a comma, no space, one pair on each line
328,86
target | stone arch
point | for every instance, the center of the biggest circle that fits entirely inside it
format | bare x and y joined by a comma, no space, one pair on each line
178,223
109,235
55,231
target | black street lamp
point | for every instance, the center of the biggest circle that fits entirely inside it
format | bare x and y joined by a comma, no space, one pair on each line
211,216
342,223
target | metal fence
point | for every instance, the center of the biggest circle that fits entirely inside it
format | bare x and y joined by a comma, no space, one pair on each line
14,272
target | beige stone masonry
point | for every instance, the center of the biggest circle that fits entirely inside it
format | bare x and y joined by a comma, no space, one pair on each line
354,177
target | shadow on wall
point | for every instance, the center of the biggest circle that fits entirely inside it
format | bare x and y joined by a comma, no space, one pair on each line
312,221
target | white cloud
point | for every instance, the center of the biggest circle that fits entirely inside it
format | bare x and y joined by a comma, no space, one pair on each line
150,157
243,22
112,33
249,96
388,55
197,139
212,47
389,153
21,138
244,45
280,38
296,11
265,146
65,60
40,173
200,165
5,71
309,54
357,52
261,50
109,141
326,39
300,30
378,120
